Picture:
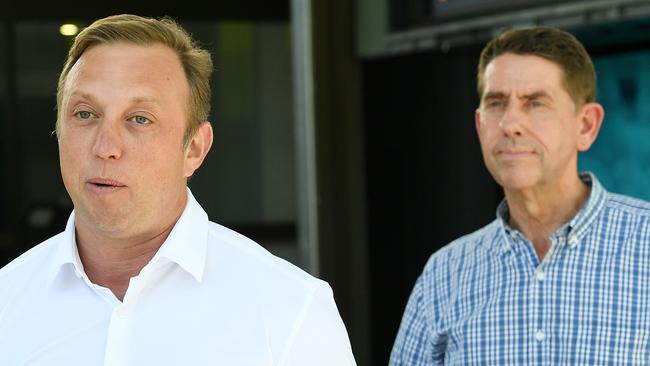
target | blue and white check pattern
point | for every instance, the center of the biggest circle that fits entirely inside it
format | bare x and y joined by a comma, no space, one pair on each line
485,299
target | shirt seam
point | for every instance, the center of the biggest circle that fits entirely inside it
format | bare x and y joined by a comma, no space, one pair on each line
298,325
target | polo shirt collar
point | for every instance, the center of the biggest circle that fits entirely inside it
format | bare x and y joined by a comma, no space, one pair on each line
186,245
576,228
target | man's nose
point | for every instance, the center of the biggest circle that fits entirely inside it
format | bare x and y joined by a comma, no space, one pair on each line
512,121
108,140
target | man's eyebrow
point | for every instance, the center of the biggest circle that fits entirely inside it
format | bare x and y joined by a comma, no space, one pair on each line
535,95
83,95
145,100
134,100
494,95
502,95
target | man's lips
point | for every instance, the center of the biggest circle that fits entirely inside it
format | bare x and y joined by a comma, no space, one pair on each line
512,155
106,182
104,185
514,152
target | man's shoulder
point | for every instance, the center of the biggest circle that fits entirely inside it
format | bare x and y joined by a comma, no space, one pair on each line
251,260
471,247
26,271
30,261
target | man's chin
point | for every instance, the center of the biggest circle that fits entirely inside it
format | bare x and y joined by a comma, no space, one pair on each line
106,221
517,181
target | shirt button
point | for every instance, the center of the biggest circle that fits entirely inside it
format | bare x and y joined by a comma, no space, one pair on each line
540,335
121,312
573,241
540,275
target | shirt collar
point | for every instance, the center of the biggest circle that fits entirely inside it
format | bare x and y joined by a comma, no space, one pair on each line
65,253
576,228
186,244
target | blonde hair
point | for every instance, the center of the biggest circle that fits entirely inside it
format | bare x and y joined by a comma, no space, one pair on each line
196,62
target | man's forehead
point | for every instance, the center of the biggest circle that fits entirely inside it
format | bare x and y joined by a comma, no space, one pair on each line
157,58
521,66
155,69
521,74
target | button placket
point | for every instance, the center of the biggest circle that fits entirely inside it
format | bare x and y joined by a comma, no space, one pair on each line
540,275
117,337
118,332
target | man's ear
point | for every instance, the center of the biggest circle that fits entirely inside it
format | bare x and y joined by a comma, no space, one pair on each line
477,120
590,119
198,148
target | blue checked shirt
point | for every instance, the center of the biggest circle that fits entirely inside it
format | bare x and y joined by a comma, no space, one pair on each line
485,299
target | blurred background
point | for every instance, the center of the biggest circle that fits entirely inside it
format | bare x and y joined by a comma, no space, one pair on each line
344,129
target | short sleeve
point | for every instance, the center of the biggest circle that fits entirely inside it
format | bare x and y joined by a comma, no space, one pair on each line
320,337
416,345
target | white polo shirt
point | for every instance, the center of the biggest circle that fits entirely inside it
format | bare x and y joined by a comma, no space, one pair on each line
209,296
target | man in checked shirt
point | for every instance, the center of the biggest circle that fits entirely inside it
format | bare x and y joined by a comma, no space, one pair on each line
562,276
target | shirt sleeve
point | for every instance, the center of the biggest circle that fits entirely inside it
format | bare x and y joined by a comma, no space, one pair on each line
416,345
320,338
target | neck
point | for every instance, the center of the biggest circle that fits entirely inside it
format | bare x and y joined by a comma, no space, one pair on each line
540,211
112,261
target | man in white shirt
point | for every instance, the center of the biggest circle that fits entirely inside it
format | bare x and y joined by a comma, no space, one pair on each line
140,276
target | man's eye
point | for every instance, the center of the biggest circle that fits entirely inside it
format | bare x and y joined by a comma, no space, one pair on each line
536,103
495,103
84,115
140,120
